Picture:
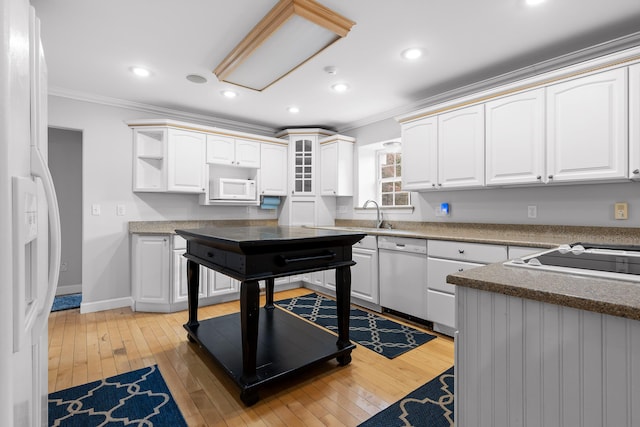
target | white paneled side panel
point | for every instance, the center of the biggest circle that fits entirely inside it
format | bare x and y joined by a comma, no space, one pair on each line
526,363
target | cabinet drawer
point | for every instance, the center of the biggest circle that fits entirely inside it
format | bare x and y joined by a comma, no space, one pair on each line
179,242
476,252
369,242
439,269
441,308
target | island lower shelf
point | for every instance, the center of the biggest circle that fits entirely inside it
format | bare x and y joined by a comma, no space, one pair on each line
286,345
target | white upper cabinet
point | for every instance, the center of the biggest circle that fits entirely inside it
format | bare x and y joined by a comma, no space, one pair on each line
336,166
420,154
304,164
634,122
168,160
227,150
273,170
461,148
185,161
515,139
587,128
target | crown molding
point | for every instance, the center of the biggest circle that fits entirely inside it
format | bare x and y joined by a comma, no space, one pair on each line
166,112
573,58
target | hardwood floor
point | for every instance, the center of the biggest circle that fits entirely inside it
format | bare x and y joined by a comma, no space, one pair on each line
88,347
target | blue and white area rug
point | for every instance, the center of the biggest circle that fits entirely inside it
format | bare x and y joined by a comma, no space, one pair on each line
66,302
138,398
428,406
381,335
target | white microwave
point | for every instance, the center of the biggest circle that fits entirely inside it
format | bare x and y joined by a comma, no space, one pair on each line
232,189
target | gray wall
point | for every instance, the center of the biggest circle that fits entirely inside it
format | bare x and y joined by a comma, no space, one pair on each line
65,163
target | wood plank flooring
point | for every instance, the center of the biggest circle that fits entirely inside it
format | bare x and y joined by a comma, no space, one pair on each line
88,347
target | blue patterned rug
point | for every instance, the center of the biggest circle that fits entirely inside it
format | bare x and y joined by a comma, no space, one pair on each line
428,406
66,302
381,335
138,398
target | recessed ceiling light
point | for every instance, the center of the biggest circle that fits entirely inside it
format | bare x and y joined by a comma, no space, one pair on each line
412,53
340,87
140,72
229,93
194,78
293,109
534,2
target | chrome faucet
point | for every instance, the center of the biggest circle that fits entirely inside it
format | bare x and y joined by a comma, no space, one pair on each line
378,213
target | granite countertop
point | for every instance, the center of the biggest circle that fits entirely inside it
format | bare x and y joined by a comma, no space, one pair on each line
614,297
170,227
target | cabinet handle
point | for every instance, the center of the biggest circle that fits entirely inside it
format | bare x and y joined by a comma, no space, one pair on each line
550,176
636,171
238,163
460,251
439,184
539,177
461,269
284,260
210,254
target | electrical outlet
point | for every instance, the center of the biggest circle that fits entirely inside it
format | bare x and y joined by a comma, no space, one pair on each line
532,211
620,210
95,209
64,266
121,210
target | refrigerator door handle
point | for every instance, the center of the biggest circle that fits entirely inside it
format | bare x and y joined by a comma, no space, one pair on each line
40,169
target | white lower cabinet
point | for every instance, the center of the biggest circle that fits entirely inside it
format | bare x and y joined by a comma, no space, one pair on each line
448,257
364,275
159,276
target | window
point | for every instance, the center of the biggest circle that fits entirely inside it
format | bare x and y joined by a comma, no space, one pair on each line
390,180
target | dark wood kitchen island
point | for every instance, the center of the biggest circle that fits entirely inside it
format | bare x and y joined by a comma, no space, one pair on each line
261,345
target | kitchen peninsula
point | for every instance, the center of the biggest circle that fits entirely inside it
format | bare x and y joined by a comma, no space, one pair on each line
543,348
272,344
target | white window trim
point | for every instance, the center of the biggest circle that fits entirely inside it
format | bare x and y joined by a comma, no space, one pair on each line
380,180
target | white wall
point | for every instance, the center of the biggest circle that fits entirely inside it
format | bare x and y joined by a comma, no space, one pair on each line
586,205
107,177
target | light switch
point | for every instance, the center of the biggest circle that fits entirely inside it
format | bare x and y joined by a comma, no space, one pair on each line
95,209
121,210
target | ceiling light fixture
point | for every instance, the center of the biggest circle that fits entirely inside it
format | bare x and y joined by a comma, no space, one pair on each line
293,32
534,2
293,109
229,93
340,87
140,72
412,53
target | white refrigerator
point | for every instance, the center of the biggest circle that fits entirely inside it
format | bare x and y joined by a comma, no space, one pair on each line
29,220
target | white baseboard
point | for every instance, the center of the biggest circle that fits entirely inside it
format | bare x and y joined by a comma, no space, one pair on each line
68,289
91,307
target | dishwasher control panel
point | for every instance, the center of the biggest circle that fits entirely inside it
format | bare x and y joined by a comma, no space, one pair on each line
404,244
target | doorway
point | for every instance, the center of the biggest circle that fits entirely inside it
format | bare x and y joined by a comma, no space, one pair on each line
65,163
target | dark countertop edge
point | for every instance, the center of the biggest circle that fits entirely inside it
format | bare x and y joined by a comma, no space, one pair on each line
560,298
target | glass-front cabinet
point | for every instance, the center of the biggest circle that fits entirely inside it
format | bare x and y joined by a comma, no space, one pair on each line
303,166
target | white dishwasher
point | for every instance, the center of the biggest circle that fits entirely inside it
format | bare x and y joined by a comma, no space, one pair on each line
403,275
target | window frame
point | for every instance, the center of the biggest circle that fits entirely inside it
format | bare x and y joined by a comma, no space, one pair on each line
395,179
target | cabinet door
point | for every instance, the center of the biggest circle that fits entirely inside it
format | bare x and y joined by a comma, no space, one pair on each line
634,122
219,284
221,149
329,169
179,281
304,165
364,275
420,154
461,148
273,170
150,269
587,128
515,139
185,157
303,211
247,153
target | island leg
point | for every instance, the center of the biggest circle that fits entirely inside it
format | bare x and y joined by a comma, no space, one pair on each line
193,278
269,285
343,299
249,316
